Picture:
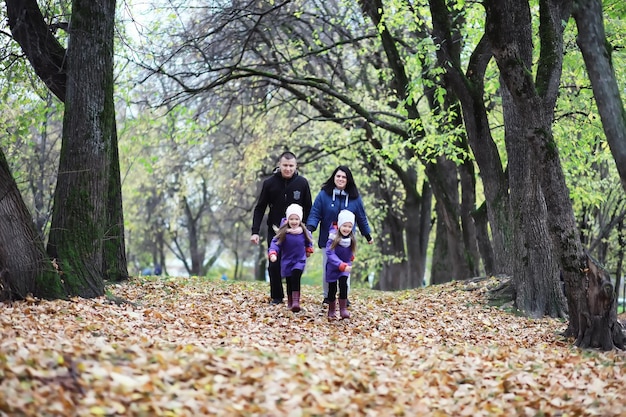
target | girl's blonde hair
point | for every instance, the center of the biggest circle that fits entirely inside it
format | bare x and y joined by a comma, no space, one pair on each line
281,232
338,238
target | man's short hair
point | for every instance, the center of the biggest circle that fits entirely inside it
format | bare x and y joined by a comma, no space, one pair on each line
287,155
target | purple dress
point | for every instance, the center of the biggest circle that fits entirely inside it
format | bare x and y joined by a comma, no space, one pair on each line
292,252
338,259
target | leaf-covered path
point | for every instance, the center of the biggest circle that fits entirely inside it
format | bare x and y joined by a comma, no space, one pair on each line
191,347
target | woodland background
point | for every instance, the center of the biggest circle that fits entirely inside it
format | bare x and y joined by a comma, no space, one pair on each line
484,143
472,128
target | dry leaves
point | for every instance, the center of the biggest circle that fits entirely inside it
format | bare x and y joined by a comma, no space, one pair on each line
191,347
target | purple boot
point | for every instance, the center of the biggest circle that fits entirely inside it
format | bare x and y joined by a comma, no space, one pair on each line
332,305
295,305
343,308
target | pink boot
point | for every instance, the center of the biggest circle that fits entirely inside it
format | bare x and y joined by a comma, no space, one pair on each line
289,300
332,305
343,308
295,305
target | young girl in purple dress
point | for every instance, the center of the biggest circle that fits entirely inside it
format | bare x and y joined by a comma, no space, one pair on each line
340,251
292,244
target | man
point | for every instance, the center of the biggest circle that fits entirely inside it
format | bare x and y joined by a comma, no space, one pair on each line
280,190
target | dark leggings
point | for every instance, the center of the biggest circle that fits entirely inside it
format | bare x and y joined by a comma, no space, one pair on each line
343,289
293,282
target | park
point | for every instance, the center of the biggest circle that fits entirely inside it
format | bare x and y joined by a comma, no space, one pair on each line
488,142
197,347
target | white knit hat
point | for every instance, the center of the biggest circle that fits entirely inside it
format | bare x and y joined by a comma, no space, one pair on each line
294,209
345,216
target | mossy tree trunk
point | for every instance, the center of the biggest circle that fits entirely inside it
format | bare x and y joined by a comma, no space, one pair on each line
86,243
537,189
80,215
547,240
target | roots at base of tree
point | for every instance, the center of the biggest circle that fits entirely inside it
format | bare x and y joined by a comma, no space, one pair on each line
502,294
597,332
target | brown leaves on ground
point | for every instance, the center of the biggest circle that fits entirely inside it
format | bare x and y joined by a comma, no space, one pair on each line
191,347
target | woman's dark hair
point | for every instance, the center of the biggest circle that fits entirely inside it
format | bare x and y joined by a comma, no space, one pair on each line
351,189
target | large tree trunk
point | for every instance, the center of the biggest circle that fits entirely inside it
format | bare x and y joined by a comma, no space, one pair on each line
24,266
529,110
80,226
597,55
528,117
80,207
536,268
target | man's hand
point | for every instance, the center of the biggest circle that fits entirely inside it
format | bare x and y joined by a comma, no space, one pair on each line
254,239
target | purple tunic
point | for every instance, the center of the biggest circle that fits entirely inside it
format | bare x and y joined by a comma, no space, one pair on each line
292,252
338,259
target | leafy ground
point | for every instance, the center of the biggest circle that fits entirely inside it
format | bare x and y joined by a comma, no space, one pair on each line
191,347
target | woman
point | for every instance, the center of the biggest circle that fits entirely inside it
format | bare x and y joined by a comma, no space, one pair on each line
339,192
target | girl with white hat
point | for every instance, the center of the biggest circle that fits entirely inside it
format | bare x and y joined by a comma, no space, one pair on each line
292,244
340,251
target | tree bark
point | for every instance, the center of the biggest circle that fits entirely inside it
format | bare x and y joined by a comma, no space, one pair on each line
80,226
449,256
394,274
598,326
484,243
24,266
44,52
115,264
528,114
597,55
80,216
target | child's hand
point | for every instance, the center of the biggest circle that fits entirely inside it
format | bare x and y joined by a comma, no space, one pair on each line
348,268
273,258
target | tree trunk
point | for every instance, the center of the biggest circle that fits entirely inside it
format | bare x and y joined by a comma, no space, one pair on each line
598,326
80,208
528,114
24,266
468,206
536,269
418,233
115,265
597,55
403,242
450,260
482,236
87,235
395,274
